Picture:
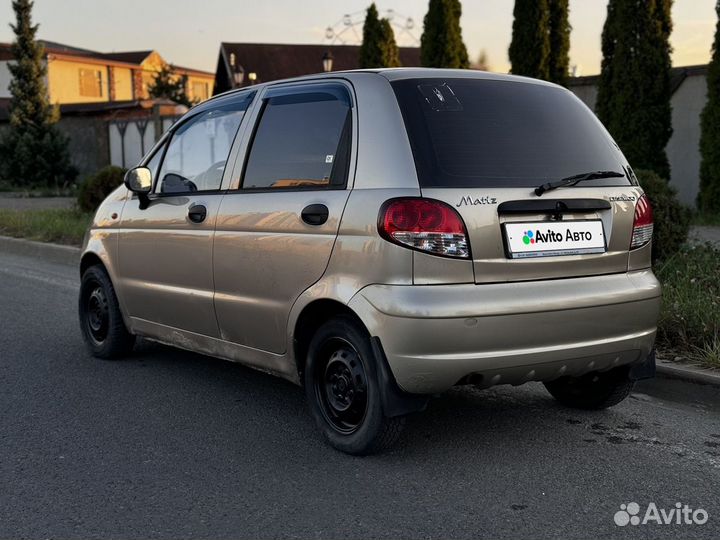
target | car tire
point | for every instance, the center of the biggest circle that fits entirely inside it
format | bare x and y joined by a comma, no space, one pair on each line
596,390
101,321
341,385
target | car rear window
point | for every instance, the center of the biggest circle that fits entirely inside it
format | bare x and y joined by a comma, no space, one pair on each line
485,133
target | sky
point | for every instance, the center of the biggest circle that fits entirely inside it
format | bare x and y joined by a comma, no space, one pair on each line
188,32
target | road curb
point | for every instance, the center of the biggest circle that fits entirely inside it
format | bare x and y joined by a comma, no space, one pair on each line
689,373
50,252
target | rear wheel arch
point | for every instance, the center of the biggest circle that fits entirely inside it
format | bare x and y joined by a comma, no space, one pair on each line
311,318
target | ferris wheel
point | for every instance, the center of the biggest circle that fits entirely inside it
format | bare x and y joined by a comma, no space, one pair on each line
348,30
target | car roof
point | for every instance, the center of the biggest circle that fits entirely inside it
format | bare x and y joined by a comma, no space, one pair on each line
391,74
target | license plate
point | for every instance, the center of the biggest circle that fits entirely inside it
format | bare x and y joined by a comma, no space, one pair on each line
554,238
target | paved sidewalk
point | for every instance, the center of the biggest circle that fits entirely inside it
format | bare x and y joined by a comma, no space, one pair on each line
702,234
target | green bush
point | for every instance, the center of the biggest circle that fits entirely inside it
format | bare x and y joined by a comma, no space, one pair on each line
690,315
98,186
672,219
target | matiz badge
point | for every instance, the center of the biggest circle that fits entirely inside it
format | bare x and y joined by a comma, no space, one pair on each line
474,201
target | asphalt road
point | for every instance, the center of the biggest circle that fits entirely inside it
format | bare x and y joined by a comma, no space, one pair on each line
168,444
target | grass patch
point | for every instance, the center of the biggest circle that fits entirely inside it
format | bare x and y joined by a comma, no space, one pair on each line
705,219
58,225
690,316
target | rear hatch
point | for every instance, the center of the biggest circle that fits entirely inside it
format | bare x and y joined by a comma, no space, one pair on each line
483,146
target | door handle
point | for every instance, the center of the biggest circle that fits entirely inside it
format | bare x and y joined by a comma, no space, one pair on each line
315,214
197,213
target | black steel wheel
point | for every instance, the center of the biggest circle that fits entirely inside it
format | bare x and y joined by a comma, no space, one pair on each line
101,321
343,392
341,386
596,390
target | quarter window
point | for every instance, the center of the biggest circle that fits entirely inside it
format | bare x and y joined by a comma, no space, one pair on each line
197,153
302,141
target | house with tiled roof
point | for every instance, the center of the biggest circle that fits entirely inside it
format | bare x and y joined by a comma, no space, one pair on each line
105,107
243,64
76,75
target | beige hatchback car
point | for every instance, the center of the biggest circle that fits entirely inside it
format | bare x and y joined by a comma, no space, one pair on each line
380,237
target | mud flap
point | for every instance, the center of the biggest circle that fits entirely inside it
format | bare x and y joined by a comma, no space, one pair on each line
396,402
644,369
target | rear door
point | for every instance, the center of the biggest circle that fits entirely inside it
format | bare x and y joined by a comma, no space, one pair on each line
483,146
277,226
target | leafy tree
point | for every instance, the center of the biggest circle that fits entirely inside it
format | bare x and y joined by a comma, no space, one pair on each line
530,46
441,44
634,91
709,197
167,84
33,152
378,47
559,32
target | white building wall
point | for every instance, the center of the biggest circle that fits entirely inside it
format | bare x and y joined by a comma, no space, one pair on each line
5,79
683,150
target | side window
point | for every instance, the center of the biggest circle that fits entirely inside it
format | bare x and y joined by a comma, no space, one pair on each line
154,163
198,150
302,141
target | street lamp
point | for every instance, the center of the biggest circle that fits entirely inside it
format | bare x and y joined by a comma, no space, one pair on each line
327,61
252,77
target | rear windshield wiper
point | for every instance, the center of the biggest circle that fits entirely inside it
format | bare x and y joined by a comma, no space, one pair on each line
572,180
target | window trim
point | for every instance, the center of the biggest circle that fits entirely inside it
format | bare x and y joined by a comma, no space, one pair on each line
194,113
298,89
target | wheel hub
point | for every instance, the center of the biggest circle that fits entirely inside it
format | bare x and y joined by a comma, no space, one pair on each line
344,389
97,314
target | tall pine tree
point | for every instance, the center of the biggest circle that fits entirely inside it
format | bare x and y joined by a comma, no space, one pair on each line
33,152
709,197
530,46
388,46
441,44
370,53
634,91
378,47
559,47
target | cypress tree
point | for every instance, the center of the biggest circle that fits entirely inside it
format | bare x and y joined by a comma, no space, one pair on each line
559,48
33,152
709,196
634,91
530,46
370,51
378,47
441,44
390,53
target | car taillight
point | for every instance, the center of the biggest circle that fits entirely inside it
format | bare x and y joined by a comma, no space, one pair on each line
426,225
642,224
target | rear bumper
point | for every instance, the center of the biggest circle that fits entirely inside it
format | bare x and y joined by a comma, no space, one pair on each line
434,336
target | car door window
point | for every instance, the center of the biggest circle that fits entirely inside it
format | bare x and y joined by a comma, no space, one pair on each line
198,150
302,140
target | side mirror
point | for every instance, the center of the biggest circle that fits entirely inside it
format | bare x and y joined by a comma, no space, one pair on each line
139,180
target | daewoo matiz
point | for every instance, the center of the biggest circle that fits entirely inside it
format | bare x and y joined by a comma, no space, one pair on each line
381,236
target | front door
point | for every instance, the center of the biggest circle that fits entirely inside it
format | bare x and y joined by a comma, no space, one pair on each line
165,251
276,231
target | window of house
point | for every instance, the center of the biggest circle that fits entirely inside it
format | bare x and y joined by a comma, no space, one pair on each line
90,82
302,141
200,90
198,151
